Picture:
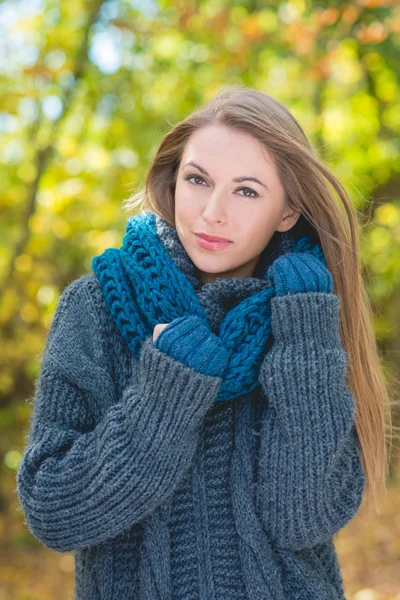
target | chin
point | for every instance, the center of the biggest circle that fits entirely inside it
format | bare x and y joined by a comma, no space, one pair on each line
211,265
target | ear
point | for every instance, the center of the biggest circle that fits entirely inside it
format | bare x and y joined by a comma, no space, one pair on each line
289,219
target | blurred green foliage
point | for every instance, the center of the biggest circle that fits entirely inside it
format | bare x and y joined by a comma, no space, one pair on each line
89,87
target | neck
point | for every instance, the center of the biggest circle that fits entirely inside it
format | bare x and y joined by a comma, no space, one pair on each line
244,271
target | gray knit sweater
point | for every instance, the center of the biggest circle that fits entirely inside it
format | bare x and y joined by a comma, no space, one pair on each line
162,493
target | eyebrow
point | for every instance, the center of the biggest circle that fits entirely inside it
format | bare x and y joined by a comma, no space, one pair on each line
236,180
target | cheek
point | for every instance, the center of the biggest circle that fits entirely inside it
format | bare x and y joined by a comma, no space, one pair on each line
180,204
251,225
185,208
183,213
256,231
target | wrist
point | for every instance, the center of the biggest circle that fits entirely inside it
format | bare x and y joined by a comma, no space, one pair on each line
306,316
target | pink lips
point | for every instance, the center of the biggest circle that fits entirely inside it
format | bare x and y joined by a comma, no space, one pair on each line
211,245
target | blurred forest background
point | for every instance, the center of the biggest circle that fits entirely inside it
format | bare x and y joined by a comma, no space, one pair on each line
88,88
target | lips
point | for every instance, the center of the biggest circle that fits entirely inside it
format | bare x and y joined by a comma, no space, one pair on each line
212,238
207,245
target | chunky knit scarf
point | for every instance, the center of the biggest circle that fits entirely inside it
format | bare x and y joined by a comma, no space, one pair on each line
143,286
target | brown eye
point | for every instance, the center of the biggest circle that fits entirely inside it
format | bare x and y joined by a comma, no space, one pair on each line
249,190
194,176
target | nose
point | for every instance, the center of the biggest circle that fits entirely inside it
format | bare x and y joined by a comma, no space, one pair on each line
215,208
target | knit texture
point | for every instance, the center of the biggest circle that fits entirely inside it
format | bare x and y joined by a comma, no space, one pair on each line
297,273
164,494
189,340
142,287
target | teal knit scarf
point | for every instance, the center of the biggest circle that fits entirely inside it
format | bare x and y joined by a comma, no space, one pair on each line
142,287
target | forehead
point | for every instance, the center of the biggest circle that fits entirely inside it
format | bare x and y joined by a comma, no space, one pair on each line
222,145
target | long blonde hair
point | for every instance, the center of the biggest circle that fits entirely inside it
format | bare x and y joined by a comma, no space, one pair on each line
305,179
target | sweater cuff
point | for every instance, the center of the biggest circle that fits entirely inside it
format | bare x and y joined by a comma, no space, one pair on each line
186,388
310,316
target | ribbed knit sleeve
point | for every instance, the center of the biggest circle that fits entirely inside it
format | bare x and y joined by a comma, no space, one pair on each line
311,476
84,478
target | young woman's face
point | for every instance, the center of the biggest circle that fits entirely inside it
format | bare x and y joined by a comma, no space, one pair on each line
208,200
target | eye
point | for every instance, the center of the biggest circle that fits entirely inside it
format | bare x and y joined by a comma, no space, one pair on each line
195,176
249,190
189,177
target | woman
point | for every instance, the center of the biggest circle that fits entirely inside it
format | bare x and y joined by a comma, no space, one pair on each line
194,434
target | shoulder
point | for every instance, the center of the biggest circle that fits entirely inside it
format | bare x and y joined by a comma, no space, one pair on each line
79,348
82,325
85,290
82,299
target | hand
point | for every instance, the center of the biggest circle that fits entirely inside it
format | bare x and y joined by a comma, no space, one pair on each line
190,340
160,327
295,273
